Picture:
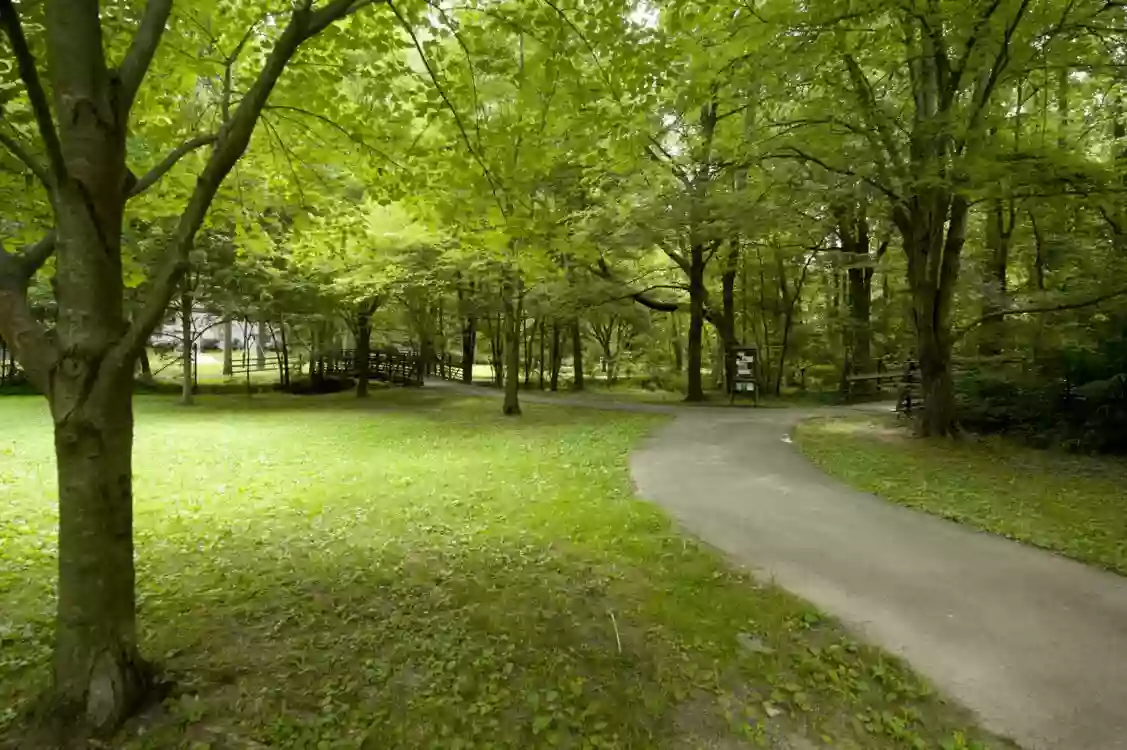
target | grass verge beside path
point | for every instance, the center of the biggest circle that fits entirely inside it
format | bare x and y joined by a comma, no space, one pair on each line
416,571
1072,504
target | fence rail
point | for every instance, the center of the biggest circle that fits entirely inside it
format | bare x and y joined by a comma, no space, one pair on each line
386,365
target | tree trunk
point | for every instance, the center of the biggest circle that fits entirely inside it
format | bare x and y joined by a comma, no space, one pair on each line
998,232
557,356
860,334
577,354
514,320
469,344
1039,254
363,348
260,349
678,348
85,364
98,669
727,322
228,361
543,344
697,220
143,364
496,350
316,358
695,390
186,384
528,333
285,363
934,230
608,355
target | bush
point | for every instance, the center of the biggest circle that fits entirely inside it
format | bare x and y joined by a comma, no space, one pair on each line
1089,417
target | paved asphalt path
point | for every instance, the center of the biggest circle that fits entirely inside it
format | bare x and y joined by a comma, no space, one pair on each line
1035,644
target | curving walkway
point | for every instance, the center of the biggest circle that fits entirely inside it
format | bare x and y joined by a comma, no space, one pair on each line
1034,643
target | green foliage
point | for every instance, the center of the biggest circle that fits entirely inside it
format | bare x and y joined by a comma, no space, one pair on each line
1076,505
416,571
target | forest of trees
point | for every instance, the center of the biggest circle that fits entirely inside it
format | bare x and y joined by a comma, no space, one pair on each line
531,181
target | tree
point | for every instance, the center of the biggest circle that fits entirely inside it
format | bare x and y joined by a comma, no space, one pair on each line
925,134
84,114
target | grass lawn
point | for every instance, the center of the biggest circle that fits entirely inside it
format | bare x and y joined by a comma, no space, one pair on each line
417,571
1075,505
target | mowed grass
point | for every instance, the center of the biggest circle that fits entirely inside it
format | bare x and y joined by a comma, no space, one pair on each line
1072,504
417,571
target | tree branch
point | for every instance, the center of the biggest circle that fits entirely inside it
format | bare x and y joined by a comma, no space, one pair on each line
32,257
17,150
797,153
336,126
229,148
493,184
141,51
333,12
677,171
35,92
27,336
999,314
151,177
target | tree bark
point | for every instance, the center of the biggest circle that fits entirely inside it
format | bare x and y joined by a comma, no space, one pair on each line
228,353
557,356
695,389
577,354
144,365
543,345
285,363
98,669
513,329
85,365
186,346
363,347
497,350
727,322
469,344
678,348
528,334
260,349
934,229
860,319
998,233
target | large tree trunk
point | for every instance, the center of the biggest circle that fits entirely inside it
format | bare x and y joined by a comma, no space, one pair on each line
85,365
678,348
998,232
698,217
469,344
727,322
557,356
260,347
577,354
98,669
228,353
514,322
186,346
853,231
934,229
144,365
543,347
497,349
363,347
528,335
859,329
697,291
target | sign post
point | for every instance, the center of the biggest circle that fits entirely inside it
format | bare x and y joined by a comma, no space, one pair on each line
745,364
